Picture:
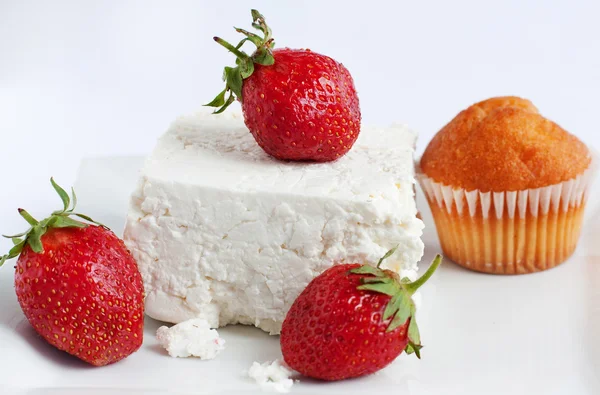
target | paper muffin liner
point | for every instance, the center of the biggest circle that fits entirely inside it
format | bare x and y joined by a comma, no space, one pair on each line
509,232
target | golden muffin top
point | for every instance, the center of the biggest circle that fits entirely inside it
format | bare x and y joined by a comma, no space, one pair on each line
503,144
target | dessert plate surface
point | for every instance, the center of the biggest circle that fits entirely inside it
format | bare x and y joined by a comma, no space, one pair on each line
483,334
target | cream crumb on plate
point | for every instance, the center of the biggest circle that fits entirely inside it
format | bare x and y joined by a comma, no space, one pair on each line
191,338
272,376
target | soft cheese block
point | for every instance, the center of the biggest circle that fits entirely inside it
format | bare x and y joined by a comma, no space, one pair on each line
223,232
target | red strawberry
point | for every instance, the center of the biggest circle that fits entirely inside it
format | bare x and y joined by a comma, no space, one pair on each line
351,321
79,286
298,104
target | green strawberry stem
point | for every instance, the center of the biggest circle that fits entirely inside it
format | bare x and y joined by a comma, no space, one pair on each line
234,76
412,287
58,219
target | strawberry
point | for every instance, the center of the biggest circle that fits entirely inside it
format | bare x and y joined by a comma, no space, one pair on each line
351,321
298,104
78,285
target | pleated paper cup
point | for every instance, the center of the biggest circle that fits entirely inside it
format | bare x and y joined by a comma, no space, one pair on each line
509,232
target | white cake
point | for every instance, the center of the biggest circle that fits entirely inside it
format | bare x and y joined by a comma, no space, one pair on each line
221,231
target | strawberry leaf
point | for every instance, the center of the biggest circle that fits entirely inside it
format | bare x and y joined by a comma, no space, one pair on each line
402,314
218,101
263,56
240,45
14,252
87,218
73,200
30,220
400,308
253,38
48,222
414,337
58,219
368,280
246,70
387,255
66,222
259,23
367,269
17,235
234,80
34,239
393,306
63,196
230,100
234,76
384,288
413,348
413,329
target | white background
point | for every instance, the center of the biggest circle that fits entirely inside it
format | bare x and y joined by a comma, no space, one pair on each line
83,78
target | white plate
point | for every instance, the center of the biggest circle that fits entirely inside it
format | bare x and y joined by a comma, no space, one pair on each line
484,334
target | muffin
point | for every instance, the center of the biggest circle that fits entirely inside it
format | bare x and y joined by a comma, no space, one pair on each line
507,187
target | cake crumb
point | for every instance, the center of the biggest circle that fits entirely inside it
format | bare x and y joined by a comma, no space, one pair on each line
191,338
272,376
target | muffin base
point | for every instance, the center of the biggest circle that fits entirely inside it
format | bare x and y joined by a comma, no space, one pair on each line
512,232
508,245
